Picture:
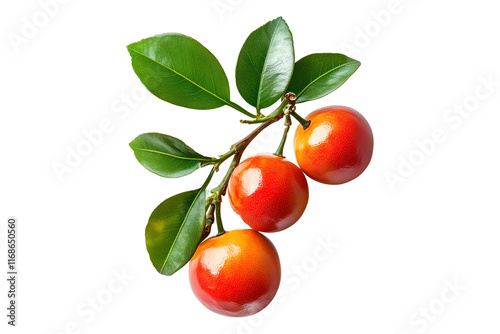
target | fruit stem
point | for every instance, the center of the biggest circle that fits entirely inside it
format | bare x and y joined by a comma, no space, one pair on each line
288,122
224,157
220,190
210,214
276,115
209,220
273,117
237,150
220,228
278,110
304,122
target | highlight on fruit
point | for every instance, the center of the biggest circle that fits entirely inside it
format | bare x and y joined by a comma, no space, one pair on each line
237,273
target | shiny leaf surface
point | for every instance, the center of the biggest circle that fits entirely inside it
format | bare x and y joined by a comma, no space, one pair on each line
178,69
174,230
165,155
319,74
265,64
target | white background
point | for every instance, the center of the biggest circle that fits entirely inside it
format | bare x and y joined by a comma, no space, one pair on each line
397,247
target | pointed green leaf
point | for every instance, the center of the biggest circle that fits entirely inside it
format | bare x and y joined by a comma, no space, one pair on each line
319,74
165,155
175,229
265,64
178,69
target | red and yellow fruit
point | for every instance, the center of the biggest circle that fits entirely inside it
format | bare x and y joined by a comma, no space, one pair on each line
336,147
235,274
268,192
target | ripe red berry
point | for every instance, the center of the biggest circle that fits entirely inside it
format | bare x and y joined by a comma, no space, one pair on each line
235,274
268,192
336,147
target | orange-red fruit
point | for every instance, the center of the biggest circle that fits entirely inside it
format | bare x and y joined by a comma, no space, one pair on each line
268,192
336,147
235,274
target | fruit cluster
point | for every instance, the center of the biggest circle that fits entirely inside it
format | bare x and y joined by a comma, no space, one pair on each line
237,273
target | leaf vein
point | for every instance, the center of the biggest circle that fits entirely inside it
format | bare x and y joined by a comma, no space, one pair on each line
313,81
172,155
182,76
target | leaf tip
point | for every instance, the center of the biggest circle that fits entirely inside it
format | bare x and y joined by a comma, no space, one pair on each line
130,47
131,144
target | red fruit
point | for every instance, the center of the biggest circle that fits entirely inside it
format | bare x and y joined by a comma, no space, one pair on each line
336,147
268,192
235,274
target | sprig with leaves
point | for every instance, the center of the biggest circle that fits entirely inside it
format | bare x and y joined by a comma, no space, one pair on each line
180,70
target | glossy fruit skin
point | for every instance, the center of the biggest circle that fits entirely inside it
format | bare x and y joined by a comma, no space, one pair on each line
268,192
235,274
336,147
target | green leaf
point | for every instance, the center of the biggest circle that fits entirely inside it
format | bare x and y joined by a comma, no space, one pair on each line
319,74
175,229
166,156
178,69
265,64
